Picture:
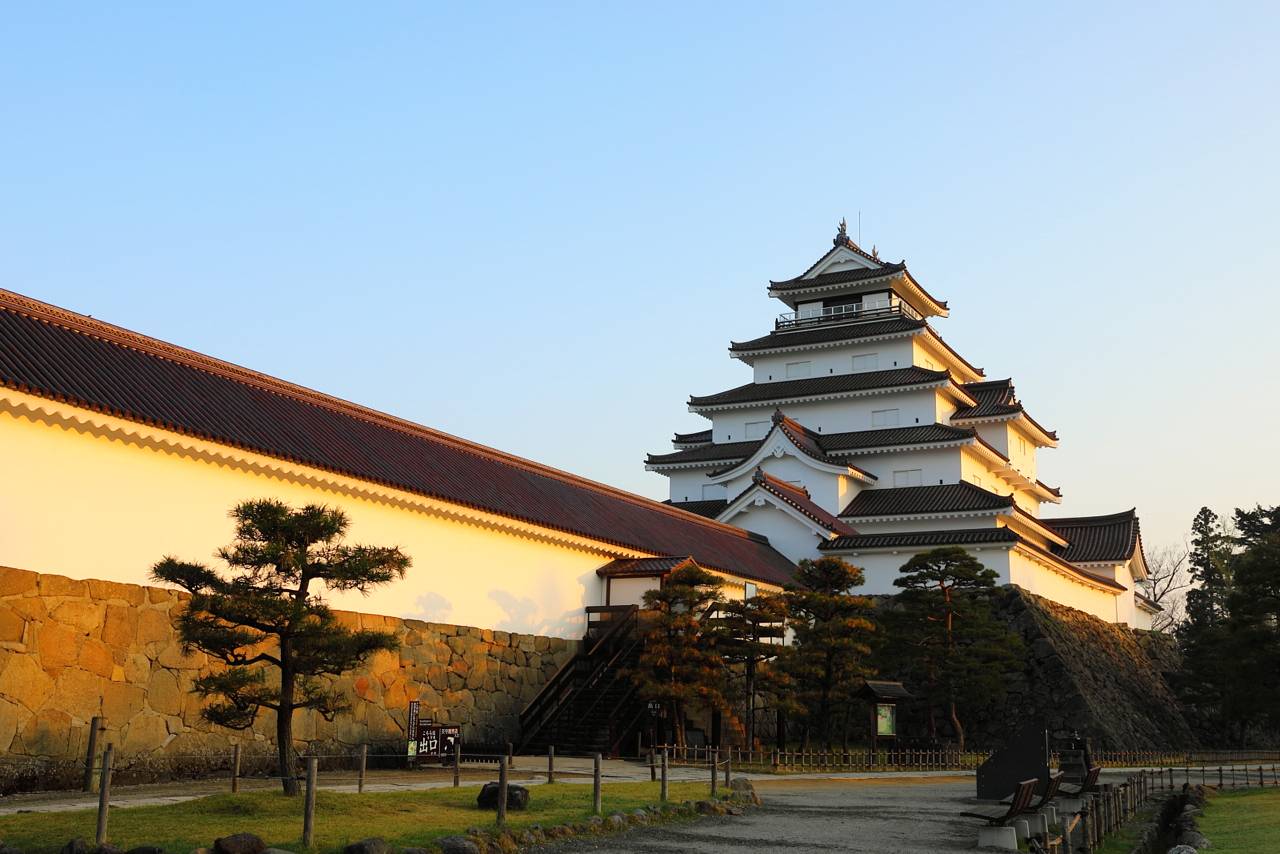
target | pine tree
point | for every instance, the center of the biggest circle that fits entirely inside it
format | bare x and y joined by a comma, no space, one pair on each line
945,633
265,620
832,630
1254,621
680,664
750,634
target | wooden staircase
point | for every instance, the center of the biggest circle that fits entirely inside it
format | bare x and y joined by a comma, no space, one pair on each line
591,705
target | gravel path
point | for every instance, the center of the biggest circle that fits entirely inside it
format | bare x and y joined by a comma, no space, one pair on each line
902,816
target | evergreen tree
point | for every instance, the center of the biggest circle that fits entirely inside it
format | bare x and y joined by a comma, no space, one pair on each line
750,634
832,630
680,664
1210,561
1254,608
946,636
265,620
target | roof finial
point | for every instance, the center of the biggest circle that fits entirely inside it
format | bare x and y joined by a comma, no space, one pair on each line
874,252
842,236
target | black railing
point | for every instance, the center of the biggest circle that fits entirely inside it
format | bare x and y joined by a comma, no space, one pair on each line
844,314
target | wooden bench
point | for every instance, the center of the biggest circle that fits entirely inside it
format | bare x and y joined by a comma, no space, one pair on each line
1050,792
1019,804
1089,783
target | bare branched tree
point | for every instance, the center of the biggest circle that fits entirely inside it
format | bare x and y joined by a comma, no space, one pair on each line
1168,577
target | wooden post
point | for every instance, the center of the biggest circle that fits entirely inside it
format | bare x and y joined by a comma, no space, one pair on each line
595,784
457,763
511,754
728,765
309,804
91,756
714,758
502,793
104,793
364,760
235,769
653,767
663,791
1086,826
551,763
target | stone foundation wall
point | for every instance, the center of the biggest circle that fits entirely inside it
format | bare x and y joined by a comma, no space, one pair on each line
72,649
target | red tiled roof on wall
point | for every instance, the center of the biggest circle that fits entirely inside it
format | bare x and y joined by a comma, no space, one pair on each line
57,354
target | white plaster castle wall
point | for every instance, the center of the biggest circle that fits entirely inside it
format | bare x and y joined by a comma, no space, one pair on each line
686,485
630,591
786,534
832,416
880,569
95,506
1035,578
890,353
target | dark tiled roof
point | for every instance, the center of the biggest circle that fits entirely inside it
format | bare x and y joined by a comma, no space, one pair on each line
1097,538
943,498
996,398
56,354
707,453
711,507
798,497
827,334
843,277
923,539
643,567
827,443
702,437
813,386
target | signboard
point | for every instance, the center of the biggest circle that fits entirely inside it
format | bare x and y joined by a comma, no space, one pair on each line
428,739
886,720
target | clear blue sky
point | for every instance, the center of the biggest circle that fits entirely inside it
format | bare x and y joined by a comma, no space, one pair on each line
538,227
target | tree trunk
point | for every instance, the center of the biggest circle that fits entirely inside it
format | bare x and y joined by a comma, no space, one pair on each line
284,726
955,722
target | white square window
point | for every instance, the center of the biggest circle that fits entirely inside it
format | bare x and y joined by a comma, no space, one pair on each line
908,477
799,370
749,590
866,362
884,418
758,429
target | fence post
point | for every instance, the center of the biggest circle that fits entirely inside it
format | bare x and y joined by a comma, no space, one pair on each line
595,785
364,760
663,790
309,804
104,793
511,754
728,765
653,767
235,769
457,763
551,763
91,756
714,756
1086,826
502,792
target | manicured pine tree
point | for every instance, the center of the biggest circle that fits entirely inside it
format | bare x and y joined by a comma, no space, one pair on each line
945,630
750,634
680,664
265,621
831,638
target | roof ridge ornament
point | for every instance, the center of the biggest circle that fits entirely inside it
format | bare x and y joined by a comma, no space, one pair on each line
842,235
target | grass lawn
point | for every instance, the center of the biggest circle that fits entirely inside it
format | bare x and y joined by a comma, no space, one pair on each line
401,818
1244,821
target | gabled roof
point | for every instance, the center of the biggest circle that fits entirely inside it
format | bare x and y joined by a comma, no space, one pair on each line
960,497
996,399
644,567
841,277
806,336
709,508
823,385
1098,539
829,444
56,354
796,497
922,539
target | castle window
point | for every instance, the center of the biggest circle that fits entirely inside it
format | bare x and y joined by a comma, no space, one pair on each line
908,477
884,418
799,370
866,362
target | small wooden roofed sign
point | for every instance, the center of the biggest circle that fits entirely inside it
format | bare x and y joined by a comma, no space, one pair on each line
884,697
877,690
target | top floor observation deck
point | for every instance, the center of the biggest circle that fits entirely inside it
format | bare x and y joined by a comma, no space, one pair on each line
866,310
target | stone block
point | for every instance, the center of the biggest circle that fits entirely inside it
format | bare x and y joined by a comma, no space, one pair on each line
96,658
111,591
998,837
13,626
47,734
154,626
11,717
30,608
120,626
1023,830
60,585
17,582
121,702
77,692
58,646
145,733
23,681
163,693
84,616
